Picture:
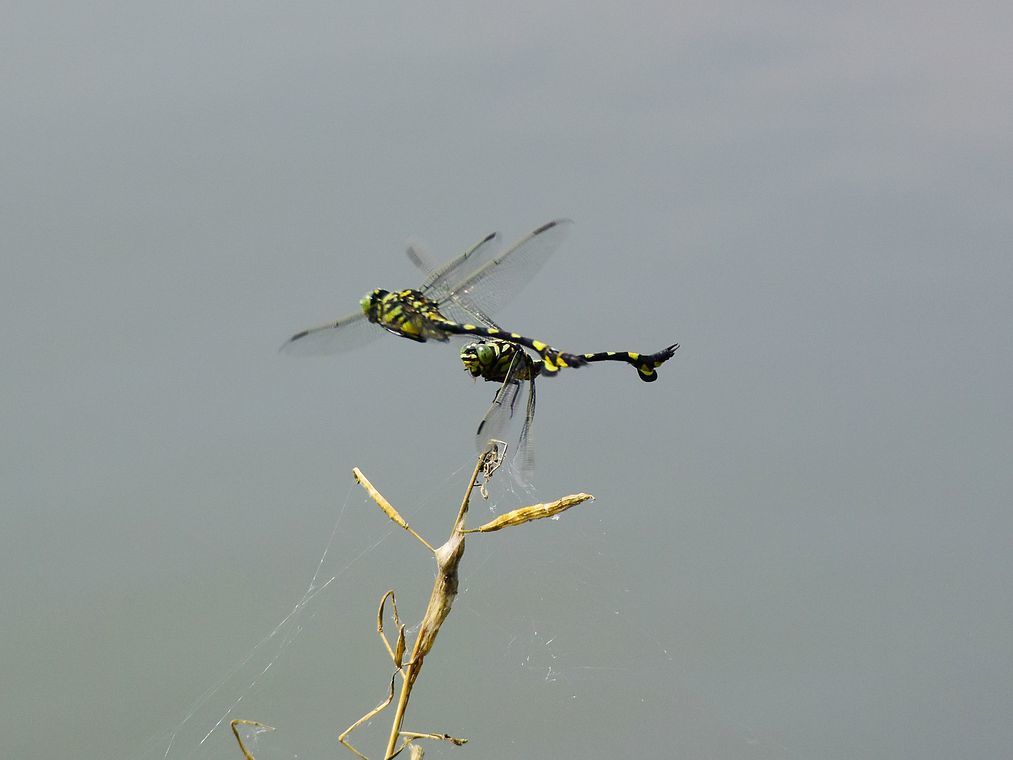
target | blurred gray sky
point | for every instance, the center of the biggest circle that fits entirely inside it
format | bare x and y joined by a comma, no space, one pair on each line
801,540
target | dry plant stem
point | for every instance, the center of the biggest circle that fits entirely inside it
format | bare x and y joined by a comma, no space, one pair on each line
448,557
235,732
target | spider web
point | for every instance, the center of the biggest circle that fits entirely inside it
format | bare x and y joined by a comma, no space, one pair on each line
204,729
579,627
548,648
209,715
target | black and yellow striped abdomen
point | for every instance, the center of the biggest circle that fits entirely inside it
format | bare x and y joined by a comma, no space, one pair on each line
645,364
491,359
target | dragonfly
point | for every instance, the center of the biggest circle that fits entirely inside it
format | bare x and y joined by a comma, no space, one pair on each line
457,299
475,283
496,360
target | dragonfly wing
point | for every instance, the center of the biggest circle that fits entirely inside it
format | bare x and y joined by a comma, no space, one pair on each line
418,254
441,281
509,420
498,280
523,464
352,331
451,308
481,280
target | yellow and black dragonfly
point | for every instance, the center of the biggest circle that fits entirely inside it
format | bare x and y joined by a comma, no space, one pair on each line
497,360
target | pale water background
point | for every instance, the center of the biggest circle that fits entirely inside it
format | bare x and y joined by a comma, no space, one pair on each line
801,544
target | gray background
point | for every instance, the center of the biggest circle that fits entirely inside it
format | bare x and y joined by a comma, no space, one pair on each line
801,540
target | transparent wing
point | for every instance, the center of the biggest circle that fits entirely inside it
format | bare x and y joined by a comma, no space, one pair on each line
491,286
481,280
437,278
524,460
440,281
469,287
509,419
352,331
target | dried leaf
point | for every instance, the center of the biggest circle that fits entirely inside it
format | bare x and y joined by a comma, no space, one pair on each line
376,496
534,512
386,506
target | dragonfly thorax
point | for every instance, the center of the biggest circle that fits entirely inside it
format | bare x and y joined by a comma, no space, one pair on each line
407,313
491,360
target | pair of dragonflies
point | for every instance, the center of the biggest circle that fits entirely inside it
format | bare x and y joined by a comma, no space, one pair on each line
457,299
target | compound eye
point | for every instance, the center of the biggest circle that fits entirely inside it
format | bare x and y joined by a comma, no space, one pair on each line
486,353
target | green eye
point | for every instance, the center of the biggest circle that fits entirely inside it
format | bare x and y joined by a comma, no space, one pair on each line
365,302
486,353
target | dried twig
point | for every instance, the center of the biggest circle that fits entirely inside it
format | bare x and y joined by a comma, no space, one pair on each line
448,558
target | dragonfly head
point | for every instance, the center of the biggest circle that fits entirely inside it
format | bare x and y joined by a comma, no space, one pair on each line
479,357
470,360
370,302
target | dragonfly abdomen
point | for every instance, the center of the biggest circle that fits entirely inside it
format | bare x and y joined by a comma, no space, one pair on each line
645,364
